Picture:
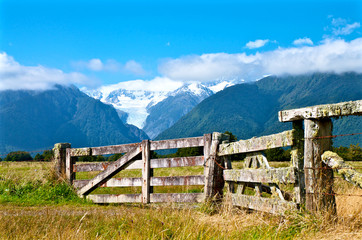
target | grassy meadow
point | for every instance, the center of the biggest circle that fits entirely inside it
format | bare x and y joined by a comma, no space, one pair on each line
35,206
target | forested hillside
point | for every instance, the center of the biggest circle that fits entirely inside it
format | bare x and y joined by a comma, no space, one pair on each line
249,110
32,120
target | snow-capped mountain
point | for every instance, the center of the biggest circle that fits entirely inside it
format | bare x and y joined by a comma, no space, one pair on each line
132,102
138,103
196,89
221,84
178,103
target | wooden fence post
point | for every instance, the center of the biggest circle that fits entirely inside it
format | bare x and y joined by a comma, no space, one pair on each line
59,151
69,162
214,180
298,161
318,177
147,172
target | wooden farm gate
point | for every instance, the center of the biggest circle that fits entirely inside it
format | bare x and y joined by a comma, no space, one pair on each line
308,180
138,156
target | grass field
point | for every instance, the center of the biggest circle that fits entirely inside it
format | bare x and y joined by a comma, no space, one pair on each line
33,206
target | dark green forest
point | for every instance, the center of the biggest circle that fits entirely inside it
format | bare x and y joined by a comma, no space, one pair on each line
251,109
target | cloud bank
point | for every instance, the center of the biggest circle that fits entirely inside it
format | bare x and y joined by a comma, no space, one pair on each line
330,56
14,76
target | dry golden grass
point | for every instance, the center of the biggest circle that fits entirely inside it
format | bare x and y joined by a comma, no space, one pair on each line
170,221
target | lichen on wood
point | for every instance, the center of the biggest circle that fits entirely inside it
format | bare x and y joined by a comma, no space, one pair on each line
334,161
78,152
322,111
282,139
276,175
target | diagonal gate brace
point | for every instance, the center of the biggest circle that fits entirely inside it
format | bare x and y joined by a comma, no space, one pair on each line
111,170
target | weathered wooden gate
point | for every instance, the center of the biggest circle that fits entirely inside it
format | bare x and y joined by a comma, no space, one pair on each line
138,156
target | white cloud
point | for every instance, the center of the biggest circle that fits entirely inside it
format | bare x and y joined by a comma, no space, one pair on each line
95,64
330,56
208,67
134,67
257,43
347,29
340,27
156,84
110,65
303,41
14,76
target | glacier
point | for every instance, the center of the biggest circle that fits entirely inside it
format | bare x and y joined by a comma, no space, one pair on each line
136,102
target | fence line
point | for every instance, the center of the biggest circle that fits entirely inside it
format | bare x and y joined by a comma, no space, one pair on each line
309,139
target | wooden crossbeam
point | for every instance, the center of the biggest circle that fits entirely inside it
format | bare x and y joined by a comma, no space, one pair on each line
322,111
155,181
275,175
177,197
154,197
137,164
111,170
270,205
177,143
112,198
282,139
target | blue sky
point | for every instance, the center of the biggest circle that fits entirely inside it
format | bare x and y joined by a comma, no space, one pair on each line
104,42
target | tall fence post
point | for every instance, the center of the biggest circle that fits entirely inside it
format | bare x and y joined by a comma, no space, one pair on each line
318,177
297,157
214,181
147,172
69,162
59,151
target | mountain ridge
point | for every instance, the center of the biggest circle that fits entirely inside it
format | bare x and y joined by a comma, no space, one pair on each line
251,109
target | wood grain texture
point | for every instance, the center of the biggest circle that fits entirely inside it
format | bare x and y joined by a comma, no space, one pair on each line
282,139
177,143
322,111
270,205
275,175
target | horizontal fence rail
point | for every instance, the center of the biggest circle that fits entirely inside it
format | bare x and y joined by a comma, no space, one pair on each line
270,205
154,198
177,143
276,175
322,111
155,181
137,164
283,139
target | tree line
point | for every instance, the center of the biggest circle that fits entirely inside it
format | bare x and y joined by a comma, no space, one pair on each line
351,153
